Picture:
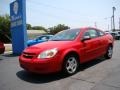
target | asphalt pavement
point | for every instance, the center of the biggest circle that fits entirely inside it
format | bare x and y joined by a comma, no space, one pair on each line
99,74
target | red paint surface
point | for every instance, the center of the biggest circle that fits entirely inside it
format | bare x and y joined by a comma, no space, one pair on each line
87,50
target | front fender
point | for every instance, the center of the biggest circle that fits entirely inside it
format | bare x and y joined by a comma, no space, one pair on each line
67,52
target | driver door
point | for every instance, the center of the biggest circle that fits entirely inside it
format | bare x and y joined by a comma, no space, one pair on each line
90,46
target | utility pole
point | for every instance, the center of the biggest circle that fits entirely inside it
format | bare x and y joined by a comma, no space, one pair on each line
111,24
113,18
108,27
95,25
119,23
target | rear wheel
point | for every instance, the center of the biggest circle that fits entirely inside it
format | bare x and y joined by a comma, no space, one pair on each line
109,52
70,65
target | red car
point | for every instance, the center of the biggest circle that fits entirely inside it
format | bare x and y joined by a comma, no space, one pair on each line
2,47
66,50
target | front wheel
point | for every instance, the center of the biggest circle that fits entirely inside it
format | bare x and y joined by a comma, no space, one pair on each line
70,65
109,52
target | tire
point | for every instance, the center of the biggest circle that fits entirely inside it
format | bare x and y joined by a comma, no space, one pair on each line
109,52
70,65
119,38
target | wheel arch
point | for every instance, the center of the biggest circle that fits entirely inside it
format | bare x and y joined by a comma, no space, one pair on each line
71,52
110,44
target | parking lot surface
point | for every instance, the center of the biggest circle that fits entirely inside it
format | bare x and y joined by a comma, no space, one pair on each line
99,74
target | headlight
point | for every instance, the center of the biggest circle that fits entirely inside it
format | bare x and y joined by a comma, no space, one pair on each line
48,53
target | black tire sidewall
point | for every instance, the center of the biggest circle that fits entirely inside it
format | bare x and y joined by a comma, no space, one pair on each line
106,55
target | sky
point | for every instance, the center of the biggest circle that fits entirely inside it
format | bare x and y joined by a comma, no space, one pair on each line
74,13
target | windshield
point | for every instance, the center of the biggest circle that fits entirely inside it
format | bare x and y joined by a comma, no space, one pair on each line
42,38
69,34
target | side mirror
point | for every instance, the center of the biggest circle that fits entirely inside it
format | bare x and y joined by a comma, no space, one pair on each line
86,38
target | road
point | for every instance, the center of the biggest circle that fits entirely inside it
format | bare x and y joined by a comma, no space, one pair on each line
95,75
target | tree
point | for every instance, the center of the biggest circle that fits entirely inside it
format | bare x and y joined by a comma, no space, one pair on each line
29,27
5,28
38,28
58,28
5,23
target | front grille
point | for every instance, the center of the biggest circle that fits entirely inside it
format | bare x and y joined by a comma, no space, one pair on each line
29,55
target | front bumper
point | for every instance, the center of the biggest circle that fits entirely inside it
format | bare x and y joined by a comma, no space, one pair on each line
40,66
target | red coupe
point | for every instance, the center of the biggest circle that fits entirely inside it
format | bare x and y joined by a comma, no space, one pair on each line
2,47
66,50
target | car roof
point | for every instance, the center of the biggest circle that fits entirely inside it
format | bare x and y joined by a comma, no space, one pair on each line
90,28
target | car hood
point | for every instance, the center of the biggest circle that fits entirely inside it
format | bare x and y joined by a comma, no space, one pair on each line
48,45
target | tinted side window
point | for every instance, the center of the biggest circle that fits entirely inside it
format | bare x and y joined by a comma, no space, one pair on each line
101,33
86,34
44,38
93,33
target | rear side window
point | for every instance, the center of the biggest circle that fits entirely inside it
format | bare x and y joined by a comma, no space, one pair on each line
101,33
87,34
